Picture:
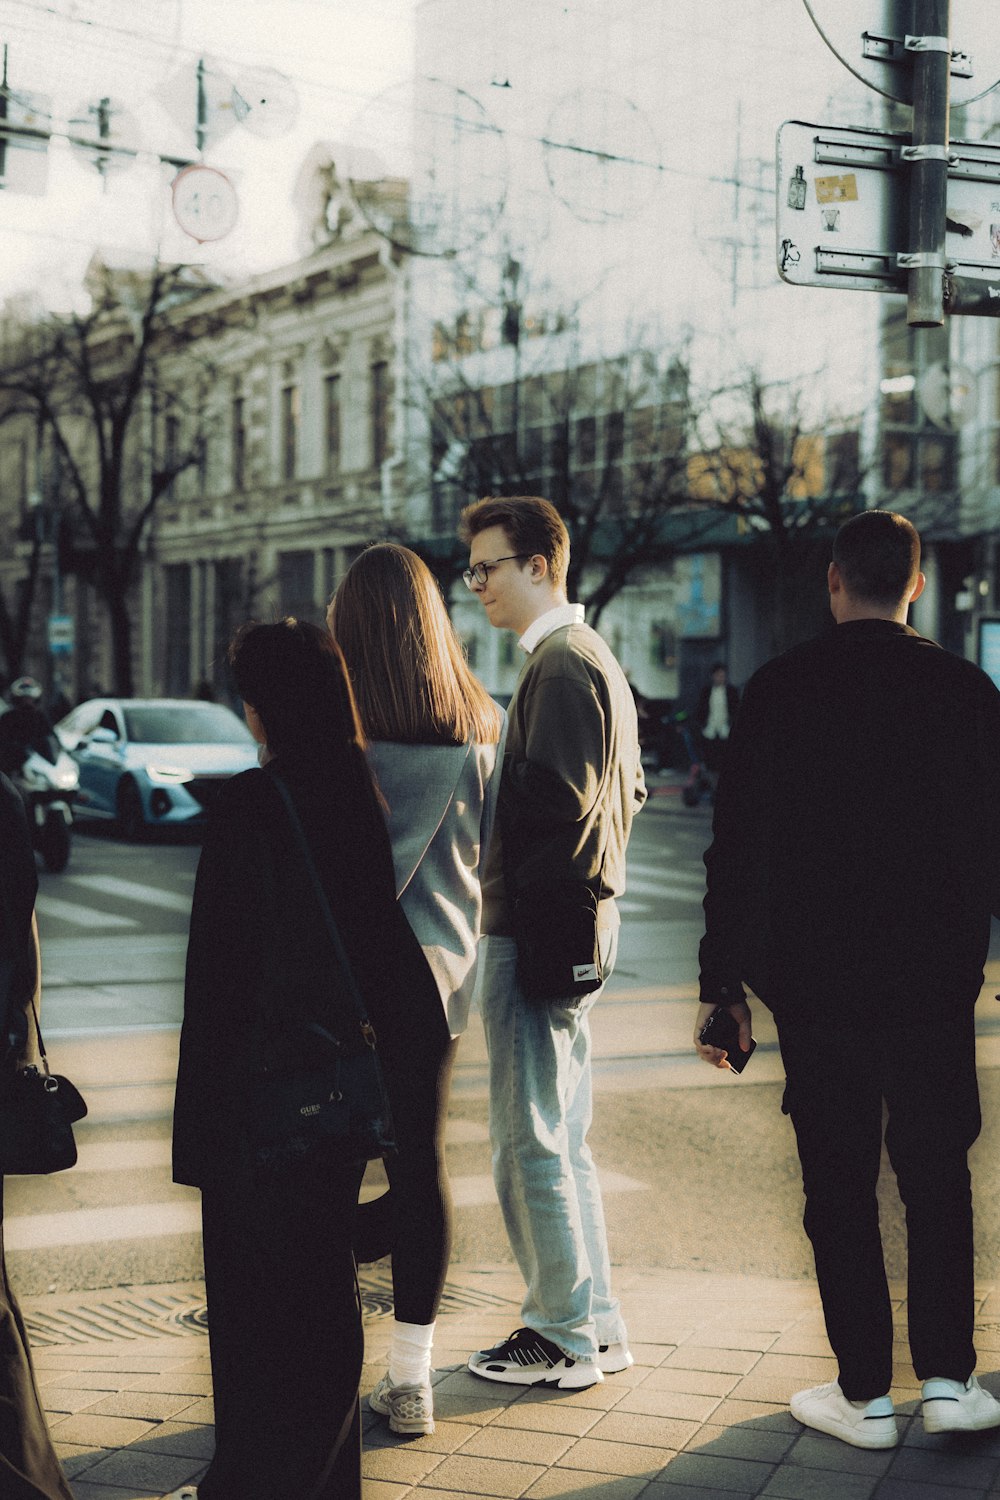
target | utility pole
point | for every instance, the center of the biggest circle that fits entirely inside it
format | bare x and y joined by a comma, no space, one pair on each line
930,44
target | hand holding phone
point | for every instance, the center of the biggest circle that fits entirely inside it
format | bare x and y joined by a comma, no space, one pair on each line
722,1030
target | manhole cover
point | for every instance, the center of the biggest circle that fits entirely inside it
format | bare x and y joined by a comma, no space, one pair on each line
140,1315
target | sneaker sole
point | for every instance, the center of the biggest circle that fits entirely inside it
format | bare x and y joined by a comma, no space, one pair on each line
615,1366
939,1420
413,1428
855,1436
572,1379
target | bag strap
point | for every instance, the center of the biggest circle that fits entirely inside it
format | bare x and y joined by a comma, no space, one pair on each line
353,993
437,826
6,979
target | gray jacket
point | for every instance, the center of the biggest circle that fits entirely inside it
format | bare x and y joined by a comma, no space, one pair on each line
438,871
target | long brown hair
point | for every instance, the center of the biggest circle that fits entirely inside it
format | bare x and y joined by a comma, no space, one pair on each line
410,677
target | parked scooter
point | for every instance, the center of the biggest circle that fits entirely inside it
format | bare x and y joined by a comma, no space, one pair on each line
48,782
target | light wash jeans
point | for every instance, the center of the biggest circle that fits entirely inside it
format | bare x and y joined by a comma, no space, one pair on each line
541,1107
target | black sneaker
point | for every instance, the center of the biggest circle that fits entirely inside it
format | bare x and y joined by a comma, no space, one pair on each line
526,1358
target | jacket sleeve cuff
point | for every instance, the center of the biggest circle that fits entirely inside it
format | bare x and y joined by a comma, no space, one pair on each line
721,992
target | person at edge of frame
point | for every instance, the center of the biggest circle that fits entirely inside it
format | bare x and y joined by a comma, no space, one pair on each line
29,1468
854,865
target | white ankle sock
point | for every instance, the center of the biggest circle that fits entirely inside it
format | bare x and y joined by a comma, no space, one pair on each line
410,1353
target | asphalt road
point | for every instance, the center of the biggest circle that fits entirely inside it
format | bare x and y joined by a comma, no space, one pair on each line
698,1167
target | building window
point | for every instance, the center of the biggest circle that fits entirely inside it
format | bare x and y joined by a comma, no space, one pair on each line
289,431
897,460
332,422
297,585
937,463
229,597
171,451
177,636
843,462
239,443
203,464
380,412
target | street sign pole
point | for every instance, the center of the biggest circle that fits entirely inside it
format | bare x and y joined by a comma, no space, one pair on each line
928,158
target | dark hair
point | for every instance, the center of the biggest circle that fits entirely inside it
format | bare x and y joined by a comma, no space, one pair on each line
407,667
293,674
532,526
878,555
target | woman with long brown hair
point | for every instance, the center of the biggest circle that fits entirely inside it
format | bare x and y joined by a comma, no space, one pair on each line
434,744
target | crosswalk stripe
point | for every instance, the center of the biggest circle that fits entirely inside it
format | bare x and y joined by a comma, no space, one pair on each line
57,910
120,1156
129,890
123,1156
475,1190
650,884
88,1226
144,1221
642,896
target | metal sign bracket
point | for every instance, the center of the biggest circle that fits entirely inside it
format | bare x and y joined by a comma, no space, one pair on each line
894,49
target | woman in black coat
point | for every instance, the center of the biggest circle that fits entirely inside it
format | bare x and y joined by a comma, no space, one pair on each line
283,1309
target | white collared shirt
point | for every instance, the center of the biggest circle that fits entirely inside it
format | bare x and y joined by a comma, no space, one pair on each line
553,619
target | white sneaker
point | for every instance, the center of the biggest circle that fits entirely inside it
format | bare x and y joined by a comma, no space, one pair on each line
870,1424
527,1358
614,1357
410,1408
951,1406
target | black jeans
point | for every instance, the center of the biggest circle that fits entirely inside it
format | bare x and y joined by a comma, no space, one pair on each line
920,1060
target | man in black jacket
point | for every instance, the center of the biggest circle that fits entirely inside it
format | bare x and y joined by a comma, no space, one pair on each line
853,870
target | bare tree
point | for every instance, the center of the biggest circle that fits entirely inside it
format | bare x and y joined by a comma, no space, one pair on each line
606,440
789,480
118,428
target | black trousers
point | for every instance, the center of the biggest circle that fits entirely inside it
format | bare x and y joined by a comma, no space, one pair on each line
29,1469
413,1220
919,1058
284,1323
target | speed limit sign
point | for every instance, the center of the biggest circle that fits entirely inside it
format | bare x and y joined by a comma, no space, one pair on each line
206,205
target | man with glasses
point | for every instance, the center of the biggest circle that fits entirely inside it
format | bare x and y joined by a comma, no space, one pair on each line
571,783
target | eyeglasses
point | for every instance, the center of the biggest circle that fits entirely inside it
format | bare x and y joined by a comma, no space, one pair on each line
481,572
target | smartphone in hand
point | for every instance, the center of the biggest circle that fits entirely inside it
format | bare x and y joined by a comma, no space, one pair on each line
723,1030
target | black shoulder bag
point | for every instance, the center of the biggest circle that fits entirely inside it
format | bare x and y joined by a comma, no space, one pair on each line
338,1098
37,1108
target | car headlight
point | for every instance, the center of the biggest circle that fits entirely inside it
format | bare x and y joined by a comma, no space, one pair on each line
169,775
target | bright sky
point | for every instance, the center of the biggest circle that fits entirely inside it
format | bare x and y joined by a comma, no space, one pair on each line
337,54
692,90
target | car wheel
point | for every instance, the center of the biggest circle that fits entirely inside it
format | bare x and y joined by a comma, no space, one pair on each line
131,818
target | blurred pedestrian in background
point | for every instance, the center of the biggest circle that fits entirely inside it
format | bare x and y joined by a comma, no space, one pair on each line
715,716
433,736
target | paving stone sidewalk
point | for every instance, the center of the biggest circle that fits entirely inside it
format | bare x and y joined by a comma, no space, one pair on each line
702,1413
